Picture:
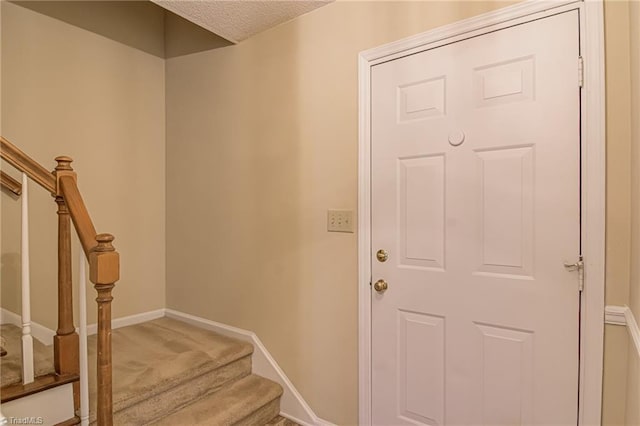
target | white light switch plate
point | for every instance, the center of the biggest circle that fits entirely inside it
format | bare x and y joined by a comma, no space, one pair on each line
340,220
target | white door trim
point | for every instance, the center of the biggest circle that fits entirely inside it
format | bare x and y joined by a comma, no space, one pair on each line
593,181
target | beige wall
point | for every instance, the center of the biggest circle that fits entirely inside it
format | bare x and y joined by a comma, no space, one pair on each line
622,361
616,342
633,374
618,241
618,151
69,90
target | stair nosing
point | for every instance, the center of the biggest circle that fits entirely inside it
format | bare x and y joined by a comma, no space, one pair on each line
40,384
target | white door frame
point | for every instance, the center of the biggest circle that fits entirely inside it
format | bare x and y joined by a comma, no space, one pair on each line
593,181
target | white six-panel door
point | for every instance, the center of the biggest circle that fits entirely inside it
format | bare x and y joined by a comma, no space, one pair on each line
476,199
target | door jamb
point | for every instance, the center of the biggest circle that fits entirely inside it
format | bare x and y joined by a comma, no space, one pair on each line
593,182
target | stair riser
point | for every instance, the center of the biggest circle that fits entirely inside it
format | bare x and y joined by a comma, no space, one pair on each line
250,401
262,415
171,400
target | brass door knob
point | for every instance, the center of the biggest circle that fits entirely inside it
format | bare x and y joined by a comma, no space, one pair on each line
382,255
380,286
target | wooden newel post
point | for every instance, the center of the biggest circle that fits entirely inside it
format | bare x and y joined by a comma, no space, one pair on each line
104,271
104,264
65,343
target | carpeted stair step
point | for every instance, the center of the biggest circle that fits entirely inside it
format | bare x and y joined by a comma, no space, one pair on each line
163,365
281,421
250,401
11,364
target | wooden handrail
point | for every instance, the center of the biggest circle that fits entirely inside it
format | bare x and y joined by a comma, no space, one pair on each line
10,183
79,213
21,161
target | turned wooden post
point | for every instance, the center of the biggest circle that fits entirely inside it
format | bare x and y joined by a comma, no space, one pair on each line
104,264
65,343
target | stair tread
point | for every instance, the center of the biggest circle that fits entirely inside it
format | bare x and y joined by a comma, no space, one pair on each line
281,421
154,356
229,405
11,364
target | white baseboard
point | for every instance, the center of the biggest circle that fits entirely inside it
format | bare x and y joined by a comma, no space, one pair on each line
622,315
38,331
129,320
292,405
45,335
615,315
634,331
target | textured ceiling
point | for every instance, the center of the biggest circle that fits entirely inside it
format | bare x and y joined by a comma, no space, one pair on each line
237,20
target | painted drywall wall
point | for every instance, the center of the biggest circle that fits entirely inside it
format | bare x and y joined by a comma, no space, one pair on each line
615,375
68,90
618,150
633,373
632,416
261,141
618,222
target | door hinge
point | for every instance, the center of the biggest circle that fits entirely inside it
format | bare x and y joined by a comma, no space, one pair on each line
578,266
580,71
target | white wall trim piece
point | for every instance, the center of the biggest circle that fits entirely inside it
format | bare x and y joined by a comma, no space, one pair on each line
632,327
593,212
128,320
292,405
364,243
623,315
521,12
45,335
39,331
615,315
593,179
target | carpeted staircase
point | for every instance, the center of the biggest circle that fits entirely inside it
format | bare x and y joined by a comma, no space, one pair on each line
166,372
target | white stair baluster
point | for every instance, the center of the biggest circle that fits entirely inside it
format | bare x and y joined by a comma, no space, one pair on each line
27,339
84,353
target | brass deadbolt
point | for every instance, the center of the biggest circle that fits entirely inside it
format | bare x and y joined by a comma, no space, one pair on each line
382,255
